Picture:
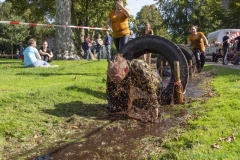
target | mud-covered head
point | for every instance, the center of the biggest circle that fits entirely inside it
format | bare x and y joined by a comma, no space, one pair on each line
117,68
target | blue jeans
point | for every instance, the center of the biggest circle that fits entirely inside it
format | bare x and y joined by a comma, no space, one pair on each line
108,48
99,53
119,42
86,54
39,63
225,49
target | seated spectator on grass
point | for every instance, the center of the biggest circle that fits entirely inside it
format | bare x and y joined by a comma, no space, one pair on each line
45,52
32,57
219,54
236,58
237,53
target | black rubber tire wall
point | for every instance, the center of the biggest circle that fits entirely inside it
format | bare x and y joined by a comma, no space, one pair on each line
188,54
159,45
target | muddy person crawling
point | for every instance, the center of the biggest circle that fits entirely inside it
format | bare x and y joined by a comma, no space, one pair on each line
133,89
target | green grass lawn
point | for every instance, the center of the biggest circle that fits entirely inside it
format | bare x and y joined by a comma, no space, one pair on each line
41,107
38,104
217,117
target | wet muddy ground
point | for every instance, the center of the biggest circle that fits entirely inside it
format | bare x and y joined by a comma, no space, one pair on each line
122,138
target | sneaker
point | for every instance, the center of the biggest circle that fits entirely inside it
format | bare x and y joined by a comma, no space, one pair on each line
53,66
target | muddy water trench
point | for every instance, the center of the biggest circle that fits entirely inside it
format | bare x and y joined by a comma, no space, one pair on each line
122,138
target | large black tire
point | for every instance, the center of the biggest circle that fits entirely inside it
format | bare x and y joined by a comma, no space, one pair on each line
188,54
171,52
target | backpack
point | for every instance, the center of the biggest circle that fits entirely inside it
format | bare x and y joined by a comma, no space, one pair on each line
85,45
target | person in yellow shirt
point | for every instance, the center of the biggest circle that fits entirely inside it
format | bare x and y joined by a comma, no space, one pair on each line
118,19
198,40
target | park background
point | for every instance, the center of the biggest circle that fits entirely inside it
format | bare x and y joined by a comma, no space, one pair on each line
169,19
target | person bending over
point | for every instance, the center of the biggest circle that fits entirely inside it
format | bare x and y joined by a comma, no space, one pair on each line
133,88
32,57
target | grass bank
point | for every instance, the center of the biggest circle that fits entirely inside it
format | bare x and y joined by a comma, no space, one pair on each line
44,107
213,131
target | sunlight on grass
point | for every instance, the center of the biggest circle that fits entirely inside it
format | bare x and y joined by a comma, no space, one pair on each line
42,106
38,101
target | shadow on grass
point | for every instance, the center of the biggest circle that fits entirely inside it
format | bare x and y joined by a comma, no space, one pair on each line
97,94
44,74
92,111
9,62
95,111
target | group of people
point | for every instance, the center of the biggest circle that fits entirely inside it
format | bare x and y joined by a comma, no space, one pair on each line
88,45
228,50
124,73
234,50
121,34
32,57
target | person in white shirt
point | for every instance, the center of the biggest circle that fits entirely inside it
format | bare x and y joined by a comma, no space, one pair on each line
99,47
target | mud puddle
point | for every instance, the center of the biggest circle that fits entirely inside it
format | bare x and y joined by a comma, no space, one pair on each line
122,138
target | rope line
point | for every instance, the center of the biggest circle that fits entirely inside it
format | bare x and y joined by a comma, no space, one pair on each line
52,25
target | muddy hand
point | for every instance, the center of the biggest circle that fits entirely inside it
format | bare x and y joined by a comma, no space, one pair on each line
154,114
130,98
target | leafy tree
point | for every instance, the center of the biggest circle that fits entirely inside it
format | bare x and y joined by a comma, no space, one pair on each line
11,35
179,15
152,15
232,19
89,13
34,10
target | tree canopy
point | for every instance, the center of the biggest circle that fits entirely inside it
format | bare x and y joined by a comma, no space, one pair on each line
179,15
152,15
11,35
168,18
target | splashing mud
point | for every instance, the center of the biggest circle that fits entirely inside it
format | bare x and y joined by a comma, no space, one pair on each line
122,138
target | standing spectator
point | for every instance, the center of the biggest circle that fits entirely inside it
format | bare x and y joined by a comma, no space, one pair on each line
99,47
145,32
225,48
107,43
237,39
86,45
132,35
21,49
45,38
93,47
50,41
45,52
235,45
17,54
31,56
118,18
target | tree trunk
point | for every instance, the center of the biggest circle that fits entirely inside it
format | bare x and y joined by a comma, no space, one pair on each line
64,46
